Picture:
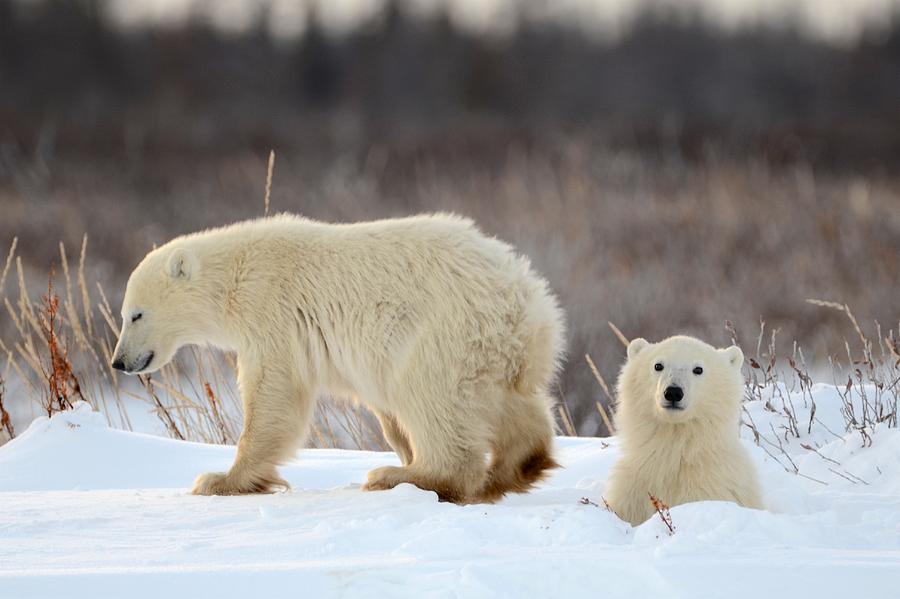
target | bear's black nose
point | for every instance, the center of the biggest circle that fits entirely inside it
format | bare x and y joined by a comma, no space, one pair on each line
118,364
673,394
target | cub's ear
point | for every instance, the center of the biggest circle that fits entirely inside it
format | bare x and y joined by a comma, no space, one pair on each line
182,264
735,356
636,346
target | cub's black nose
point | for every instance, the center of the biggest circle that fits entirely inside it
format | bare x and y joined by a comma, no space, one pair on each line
118,364
673,394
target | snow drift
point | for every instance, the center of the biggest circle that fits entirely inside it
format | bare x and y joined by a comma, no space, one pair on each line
90,511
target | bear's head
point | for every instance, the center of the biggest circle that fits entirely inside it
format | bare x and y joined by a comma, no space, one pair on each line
160,310
681,379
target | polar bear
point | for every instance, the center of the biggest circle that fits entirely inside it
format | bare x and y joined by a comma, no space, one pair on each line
447,335
678,417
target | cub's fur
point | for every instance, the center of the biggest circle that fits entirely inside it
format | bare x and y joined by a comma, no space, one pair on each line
678,419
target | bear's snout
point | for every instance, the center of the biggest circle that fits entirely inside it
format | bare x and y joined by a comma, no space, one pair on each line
673,395
138,365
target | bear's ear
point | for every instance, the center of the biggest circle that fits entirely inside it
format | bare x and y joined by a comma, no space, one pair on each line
636,346
735,356
182,264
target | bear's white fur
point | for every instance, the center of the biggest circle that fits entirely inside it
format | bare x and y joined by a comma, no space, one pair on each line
686,450
447,335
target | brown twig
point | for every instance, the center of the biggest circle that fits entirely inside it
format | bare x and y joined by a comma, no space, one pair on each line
5,421
61,380
663,510
217,416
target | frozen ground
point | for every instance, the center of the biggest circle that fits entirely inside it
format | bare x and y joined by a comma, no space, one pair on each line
88,511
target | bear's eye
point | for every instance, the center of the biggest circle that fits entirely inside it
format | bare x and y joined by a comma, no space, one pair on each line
698,371
658,366
136,317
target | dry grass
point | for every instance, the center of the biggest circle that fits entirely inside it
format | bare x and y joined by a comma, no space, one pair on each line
270,171
867,378
656,245
62,348
602,409
871,370
875,364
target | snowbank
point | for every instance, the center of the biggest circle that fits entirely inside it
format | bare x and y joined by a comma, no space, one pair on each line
89,511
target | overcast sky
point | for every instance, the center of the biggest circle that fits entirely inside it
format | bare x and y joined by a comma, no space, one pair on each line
833,19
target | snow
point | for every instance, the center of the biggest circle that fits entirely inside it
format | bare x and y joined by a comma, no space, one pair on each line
90,511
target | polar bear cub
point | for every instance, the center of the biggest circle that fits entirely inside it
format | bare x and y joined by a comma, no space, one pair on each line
677,418
447,335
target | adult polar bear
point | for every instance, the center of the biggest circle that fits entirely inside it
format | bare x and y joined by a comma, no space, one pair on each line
447,335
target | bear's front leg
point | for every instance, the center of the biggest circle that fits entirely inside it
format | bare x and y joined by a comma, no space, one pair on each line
277,411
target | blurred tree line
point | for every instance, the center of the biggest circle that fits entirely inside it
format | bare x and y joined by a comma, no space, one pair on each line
672,79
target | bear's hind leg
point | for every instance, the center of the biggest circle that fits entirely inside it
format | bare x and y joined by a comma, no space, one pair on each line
458,484
395,436
449,457
521,446
277,412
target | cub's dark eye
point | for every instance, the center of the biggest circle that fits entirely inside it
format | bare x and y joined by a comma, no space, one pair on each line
698,371
658,366
137,317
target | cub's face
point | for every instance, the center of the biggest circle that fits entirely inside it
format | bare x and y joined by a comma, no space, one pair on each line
156,311
683,378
